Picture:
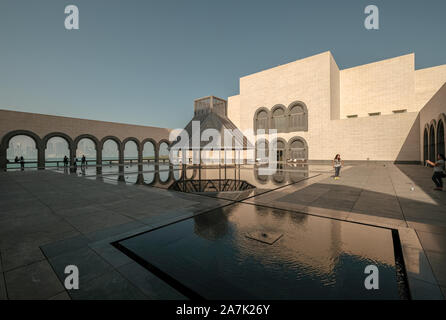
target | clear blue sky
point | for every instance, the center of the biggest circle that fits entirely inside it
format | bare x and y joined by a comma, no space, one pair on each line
143,62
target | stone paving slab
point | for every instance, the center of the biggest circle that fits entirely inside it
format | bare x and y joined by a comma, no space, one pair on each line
391,196
36,281
50,220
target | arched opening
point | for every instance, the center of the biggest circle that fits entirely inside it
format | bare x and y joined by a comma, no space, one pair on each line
425,145
164,162
177,171
280,148
261,121
56,150
440,137
131,156
279,121
164,152
148,152
262,151
110,156
148,158
21,146
432,156
131,151
298,117
86,147
298,150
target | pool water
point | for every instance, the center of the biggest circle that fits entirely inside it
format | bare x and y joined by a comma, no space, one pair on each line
212,256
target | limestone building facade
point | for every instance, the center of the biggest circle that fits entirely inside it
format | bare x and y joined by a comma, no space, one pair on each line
377,112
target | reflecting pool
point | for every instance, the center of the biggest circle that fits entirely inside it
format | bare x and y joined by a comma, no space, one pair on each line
214,256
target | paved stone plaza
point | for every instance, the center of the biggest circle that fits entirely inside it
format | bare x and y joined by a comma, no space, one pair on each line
50,220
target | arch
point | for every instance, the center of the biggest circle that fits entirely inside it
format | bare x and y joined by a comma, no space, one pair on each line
62,135
22,146
261,178
264,155
440,137
432,143
89,148
298,116
146,155
279,177
115,139
425,145
12,134
160,143
5,145
278,145
279,118
107,154
87,136
261,120
135,140
297,148
57,150
138,149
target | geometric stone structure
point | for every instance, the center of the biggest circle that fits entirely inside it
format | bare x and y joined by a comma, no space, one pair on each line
41,128
375,112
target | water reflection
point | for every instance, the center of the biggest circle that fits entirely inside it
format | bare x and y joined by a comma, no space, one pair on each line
316,258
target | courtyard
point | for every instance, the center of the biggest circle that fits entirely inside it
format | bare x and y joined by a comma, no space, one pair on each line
49,220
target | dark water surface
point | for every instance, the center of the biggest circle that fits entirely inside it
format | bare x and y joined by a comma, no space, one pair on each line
315,258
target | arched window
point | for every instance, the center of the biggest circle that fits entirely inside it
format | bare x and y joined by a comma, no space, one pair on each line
279,122
280,147
261,121
426,145
432,156
440,137
298,117
298,149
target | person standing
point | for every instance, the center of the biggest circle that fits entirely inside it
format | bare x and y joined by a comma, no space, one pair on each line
75,165
65,161
337,164
83,162
439,171
22,163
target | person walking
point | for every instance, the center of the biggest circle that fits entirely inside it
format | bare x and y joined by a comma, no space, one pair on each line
439,171
337,164
22,163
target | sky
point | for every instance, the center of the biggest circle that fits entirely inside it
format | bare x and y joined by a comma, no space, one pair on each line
144,62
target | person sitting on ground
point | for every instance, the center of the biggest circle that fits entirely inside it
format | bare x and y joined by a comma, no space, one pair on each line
337,164
439,171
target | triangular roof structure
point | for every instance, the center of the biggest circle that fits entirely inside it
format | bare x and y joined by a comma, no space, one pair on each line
211,113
